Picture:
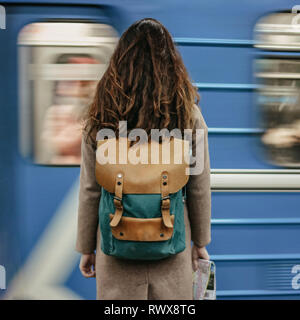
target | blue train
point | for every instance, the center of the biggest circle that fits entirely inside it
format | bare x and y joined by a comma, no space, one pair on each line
244,59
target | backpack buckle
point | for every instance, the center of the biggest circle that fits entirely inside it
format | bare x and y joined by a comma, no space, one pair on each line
118,202
165,202
117,198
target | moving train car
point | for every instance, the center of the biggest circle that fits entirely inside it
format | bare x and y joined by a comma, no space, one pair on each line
244,58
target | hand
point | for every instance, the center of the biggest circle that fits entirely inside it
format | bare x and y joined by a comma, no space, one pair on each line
198,253
87,265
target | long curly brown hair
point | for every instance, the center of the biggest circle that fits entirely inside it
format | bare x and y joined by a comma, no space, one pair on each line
145,84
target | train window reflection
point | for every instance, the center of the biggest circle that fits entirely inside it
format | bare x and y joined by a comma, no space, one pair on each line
59,67
278,31
278,76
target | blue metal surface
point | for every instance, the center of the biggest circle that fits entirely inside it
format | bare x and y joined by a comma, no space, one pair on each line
255,205
254,238
236,151
220,105
251,231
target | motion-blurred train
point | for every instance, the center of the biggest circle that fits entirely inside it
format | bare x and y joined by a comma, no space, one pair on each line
243,57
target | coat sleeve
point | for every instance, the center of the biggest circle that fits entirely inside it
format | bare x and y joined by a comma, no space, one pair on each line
198,192
89,197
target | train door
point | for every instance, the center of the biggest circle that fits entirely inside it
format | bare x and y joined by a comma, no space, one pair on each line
57,55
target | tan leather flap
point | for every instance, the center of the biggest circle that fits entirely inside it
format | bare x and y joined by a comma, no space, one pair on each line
138,229
142,177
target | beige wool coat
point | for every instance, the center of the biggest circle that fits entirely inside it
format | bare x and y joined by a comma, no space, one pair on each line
170,278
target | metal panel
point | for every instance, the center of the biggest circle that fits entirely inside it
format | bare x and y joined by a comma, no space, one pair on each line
256,181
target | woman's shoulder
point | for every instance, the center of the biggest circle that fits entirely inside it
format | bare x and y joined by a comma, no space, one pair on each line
88,141
199,121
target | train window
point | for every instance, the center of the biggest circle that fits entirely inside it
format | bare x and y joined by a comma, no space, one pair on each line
277,70
60,64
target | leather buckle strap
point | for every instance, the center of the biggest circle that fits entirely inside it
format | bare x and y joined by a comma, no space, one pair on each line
165,201
118,201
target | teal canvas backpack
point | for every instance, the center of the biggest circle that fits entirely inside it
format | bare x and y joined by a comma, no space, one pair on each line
141,209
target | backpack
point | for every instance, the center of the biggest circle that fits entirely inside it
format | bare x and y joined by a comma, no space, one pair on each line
141,209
